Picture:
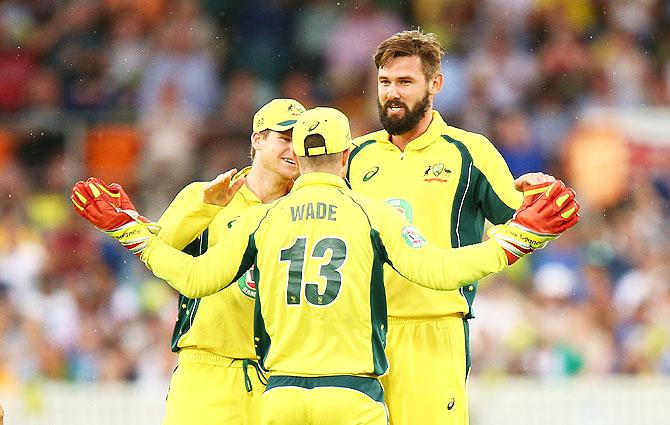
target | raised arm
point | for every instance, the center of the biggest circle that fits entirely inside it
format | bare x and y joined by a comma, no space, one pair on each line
194,208
193,277
543,218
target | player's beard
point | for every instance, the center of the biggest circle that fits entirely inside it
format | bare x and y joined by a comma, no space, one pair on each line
396,126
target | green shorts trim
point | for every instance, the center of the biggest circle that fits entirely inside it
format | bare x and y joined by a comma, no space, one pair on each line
368,386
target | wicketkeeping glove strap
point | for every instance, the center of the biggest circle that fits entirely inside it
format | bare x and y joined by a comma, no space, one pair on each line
125,225
135,236
517,240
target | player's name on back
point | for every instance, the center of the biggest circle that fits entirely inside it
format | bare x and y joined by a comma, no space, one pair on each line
314,211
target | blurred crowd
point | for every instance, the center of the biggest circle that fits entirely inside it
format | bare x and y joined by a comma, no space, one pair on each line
157,93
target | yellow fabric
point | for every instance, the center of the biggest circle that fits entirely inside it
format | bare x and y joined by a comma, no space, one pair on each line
334,323
330,123
423,182
277,115
427,374
320,406
209,390
223,322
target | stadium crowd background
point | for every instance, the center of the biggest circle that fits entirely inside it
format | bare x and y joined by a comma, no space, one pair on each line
157,93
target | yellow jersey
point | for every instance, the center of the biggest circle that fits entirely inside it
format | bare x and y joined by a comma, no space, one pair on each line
446,182
219,323
318,253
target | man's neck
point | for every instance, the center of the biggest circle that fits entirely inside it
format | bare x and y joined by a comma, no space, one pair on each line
402,140
267,186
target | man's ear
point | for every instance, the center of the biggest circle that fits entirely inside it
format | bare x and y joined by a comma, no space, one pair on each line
256,140
435,84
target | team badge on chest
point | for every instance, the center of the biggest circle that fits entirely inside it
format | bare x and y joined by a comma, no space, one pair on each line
437,173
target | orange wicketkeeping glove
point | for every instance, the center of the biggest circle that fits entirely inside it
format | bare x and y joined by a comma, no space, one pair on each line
109,209
548,210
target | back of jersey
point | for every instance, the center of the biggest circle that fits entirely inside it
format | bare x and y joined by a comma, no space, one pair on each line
321,294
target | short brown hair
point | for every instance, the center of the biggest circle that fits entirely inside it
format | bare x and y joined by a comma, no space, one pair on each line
412,43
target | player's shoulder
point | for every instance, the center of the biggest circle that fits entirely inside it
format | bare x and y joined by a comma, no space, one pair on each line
366,140
371,207
469,138
477,145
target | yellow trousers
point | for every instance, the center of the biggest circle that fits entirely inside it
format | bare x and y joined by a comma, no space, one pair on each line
208,389
328,400
429,362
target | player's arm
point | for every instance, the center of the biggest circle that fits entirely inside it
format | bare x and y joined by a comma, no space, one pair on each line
194,208
533,225
193,277
494,185
206,274
186,217
424,263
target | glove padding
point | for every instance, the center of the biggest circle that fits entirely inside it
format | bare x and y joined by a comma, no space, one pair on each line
106,213
115,194
548,210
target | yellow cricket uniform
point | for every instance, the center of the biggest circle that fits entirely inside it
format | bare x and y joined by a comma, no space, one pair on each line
213,383
446,182
321,305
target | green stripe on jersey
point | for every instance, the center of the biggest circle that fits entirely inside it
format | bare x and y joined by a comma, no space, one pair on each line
353,154
188,307
378,305
368,386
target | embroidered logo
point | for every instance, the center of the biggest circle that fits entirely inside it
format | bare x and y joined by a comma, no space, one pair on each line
230,223
436,173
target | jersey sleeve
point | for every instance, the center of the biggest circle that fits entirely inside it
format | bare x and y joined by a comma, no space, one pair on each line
222,264
495,186
186,217
427,265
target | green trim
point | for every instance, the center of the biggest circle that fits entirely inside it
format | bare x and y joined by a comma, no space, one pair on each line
262,340
368,386
378,314
353,154
492,207
288,122
188,307
248,259
467,221
468,360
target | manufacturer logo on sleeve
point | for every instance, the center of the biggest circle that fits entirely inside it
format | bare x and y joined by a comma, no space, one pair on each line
412,237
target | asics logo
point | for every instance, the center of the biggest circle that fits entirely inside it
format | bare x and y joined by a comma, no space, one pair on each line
451,404
370,174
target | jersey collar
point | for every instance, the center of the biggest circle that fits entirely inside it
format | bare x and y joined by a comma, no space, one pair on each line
246,193
318,178
433,133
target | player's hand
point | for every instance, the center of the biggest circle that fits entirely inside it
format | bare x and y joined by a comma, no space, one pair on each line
221,191
115,194
543,218
523,183
125,225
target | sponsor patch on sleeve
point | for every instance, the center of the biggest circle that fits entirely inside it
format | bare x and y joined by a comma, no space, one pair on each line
412,237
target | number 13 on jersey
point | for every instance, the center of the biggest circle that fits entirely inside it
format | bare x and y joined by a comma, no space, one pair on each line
295,255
